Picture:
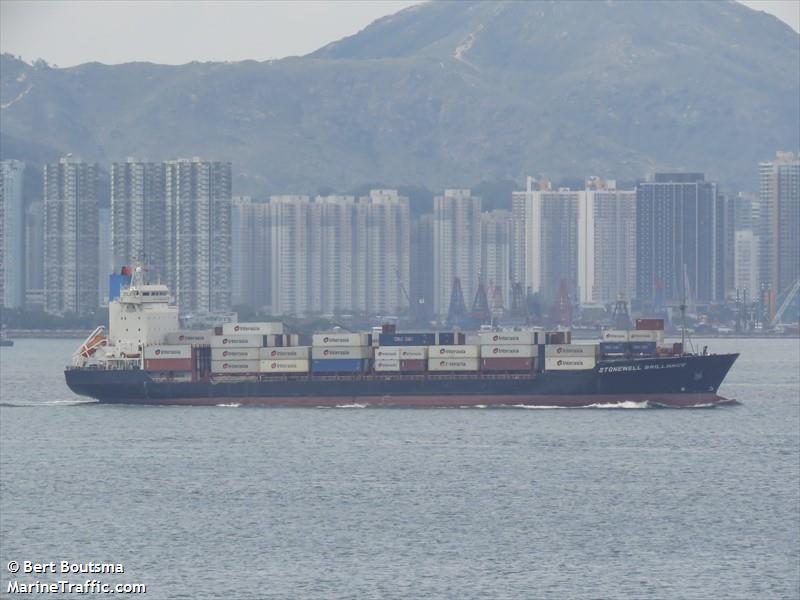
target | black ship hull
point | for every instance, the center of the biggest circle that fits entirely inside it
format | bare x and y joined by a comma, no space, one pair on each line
686,381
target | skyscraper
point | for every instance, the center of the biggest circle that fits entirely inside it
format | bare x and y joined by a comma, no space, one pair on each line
12,234
456,246
104,254
388,236
552,234
139,217
250,252
332,239
34,255
680,222
422,285
495,257
612,252
779,242
198,217
289,254
746,264
70,236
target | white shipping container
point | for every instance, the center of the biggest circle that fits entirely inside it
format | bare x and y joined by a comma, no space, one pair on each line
235,353
413,352
389,352
556,350
293,353
452,364
252,328
569,363
340,352
196,337
240,341
615,335
509,351
339,339
163,351
235,366
519,338
453,352
284,366
646,336
387,364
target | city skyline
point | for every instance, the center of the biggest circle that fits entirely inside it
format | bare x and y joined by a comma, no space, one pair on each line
302,255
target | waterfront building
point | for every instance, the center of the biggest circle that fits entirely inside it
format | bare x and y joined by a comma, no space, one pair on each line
779,202
456,246
682,221
496,258
70,236
12,234
198,217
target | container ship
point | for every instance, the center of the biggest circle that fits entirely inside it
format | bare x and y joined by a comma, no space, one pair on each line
145,358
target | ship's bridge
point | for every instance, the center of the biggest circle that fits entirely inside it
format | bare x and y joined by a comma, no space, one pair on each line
145,294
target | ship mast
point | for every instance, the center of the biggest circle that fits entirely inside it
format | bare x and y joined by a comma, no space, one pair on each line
683,311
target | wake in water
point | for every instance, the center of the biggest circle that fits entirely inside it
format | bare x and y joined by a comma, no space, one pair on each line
229,405
49,403
623,404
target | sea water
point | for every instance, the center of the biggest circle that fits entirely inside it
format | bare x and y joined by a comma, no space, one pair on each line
242,502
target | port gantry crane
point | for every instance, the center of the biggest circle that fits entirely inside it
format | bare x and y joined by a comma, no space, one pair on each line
785,304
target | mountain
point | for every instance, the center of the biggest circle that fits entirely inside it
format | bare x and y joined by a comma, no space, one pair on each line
445,94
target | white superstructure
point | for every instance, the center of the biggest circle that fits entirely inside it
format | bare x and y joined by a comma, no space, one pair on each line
141,316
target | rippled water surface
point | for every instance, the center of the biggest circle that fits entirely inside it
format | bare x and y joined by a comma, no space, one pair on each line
227,502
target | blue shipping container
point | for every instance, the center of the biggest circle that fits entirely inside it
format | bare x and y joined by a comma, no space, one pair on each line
613,347
407,339
116,283
642,347
340,365
450,338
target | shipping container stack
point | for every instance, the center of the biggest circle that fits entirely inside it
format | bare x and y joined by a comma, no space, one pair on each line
410,352
570,357
254,348
174,361
646,340
509,351
341,353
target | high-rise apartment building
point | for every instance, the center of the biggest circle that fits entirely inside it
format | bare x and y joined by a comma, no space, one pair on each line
611,254
387,235
552,234
289,261
583,238
682,223
34,255
251,252
139,222
70,236
456,246
333,261
746,264
198,217
12,234
104,254
496,258
338,254
421,287
779,203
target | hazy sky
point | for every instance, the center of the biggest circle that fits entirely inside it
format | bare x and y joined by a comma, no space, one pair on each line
67,33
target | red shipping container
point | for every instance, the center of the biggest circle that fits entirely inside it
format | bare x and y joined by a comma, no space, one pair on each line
506,364
413,365
650,324
168,364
